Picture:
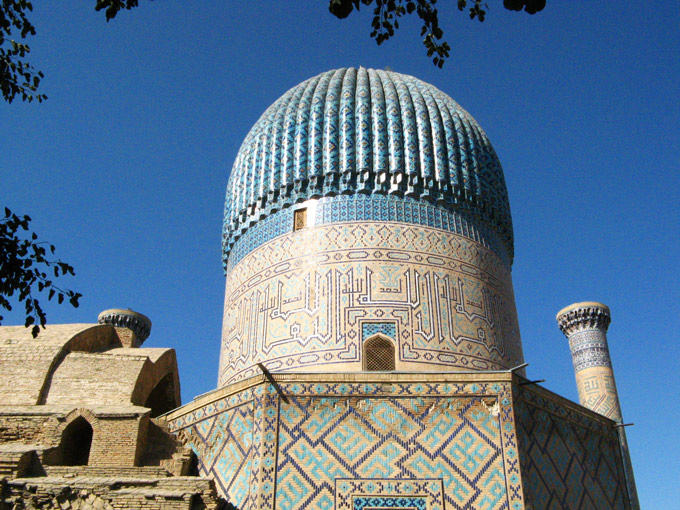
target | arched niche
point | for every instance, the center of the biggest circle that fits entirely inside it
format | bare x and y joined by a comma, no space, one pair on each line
162,396
76,442
379,354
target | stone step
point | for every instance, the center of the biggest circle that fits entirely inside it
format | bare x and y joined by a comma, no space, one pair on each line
95,471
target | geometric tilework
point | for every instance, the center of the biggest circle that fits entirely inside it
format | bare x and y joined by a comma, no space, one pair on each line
568,461
389,329
589,349
223,445
455,440
373,493
399,445
384,502
345,208
298,302
597,391
365,131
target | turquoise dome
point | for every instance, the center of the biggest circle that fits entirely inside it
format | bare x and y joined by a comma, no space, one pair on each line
366,131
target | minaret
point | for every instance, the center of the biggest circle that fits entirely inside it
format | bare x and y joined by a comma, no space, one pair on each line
585,326
131,327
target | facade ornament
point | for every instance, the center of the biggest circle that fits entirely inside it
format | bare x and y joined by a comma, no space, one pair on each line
582,316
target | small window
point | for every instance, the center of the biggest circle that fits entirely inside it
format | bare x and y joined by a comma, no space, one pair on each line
299,219
378,354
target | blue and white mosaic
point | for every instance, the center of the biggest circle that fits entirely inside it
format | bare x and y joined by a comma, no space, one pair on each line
365,131
351,208
347,445
368,329
589,349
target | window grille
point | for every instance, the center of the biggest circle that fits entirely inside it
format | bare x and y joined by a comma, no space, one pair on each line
378,354
299,219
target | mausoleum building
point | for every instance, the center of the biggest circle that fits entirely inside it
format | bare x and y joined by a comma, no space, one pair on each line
371,355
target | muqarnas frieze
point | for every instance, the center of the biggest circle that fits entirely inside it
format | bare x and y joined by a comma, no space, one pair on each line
299,301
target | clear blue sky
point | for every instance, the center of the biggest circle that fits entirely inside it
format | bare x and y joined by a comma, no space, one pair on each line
124,167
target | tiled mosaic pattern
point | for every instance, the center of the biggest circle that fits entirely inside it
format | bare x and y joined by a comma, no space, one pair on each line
365,131
569,462
335,445
378,493
345,208
222,437
389,329
454,439
597,391
589,349
380,503
298,302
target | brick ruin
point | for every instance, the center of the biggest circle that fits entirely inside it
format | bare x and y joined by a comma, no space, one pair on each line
78,420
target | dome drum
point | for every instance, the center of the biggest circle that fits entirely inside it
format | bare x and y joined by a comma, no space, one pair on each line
301,300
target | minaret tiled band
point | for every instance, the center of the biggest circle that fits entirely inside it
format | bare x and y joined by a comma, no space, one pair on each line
585,326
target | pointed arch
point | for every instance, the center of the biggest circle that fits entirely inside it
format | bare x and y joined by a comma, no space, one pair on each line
77,432
76,442
162,399
379,354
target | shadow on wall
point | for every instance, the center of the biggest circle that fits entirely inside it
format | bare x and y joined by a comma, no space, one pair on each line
76,443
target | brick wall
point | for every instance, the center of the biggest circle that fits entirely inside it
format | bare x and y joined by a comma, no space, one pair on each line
36,429
118,440
25,362
93,379
179,493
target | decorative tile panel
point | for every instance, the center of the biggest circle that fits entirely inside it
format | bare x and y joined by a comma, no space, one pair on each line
348,445
369,329
379,493
568,460
344,208
298,302
223,442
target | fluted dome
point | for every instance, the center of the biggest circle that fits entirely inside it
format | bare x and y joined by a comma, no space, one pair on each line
366,131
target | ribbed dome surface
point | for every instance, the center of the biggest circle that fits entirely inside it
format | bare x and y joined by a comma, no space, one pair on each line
366,131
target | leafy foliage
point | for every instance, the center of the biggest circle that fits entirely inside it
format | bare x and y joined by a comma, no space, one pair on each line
111,7
24,267
386,14
17,77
